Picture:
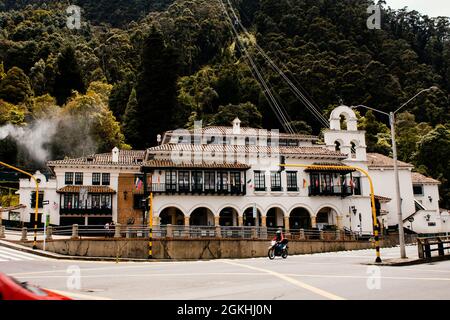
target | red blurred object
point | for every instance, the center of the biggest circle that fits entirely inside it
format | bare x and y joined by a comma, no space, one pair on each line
12,289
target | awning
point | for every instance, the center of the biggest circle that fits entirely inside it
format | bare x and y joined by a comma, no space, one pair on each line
90,189
382,199
7,209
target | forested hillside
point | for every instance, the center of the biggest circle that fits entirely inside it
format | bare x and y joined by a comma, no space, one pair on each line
137,68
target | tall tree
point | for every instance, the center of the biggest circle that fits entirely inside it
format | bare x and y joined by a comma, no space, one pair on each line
131,120
68,77
156,88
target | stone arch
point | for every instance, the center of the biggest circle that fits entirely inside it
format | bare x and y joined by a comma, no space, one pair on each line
275,217
350,117
228,216
248,219
171,205
300,218
201,216
171,215
338,144
327,216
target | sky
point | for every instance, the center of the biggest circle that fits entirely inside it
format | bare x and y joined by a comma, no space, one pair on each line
432,8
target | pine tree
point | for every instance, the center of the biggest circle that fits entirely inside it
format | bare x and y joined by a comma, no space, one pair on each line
130,120
156,89
68,77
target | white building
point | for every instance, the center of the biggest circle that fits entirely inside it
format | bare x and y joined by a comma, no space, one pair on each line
220,175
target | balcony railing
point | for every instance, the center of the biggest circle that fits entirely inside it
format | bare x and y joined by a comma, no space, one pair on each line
86,211
343,191
195,188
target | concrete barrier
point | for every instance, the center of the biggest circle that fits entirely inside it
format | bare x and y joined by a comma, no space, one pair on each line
191,248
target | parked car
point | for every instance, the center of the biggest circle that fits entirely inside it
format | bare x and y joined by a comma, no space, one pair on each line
13,289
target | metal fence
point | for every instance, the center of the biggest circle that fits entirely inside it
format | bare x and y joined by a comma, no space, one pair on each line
189,232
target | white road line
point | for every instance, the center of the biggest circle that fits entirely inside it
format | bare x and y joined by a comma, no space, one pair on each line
23,254
296,282
8,257
15,254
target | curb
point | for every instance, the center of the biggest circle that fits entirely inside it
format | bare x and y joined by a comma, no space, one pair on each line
408,262
15,246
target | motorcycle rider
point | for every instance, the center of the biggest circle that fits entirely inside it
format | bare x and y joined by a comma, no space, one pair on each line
279,238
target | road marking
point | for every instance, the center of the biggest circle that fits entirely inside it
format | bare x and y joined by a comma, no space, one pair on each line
24,255
78,295
15,255
9,257
365,277
140,275
296,282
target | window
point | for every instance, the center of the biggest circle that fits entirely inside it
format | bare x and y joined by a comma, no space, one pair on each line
106,177
96,179
418,189
222,181
291,177
197,181
275,180
171,180
315,183
76,201
210,180
260,181
357,186
40,200
69,178
78,178
183,181
235,181
106,201
95,201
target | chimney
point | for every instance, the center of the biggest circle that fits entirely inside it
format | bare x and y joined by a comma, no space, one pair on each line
115,155
236,126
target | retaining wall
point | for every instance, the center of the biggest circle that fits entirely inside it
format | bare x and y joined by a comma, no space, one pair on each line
193,248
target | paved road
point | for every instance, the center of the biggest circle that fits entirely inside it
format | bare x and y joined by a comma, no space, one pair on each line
340,275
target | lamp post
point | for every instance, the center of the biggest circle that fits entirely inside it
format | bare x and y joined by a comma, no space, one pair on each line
391,116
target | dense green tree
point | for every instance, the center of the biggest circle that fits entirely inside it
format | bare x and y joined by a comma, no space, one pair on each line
131,120
15,86
433,158
68,77
156,89
377,134
246,112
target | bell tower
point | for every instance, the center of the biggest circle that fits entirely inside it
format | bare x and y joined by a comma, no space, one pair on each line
344,135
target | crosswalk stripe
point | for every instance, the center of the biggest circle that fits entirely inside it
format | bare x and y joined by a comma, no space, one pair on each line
18,255
22,254
9,257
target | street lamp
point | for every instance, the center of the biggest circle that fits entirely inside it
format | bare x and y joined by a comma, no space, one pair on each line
391,116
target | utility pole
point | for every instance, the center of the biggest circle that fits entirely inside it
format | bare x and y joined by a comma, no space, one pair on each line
401,232
391,115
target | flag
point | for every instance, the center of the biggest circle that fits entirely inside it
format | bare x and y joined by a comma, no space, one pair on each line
305,183
138,184
352,183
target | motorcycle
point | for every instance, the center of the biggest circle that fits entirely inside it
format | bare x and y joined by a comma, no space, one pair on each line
278,249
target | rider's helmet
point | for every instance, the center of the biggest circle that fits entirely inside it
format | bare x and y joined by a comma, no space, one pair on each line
278,231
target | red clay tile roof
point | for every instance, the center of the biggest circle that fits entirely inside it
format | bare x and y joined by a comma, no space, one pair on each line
91,189
420,178
246,131
126,158
377,160
242,150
